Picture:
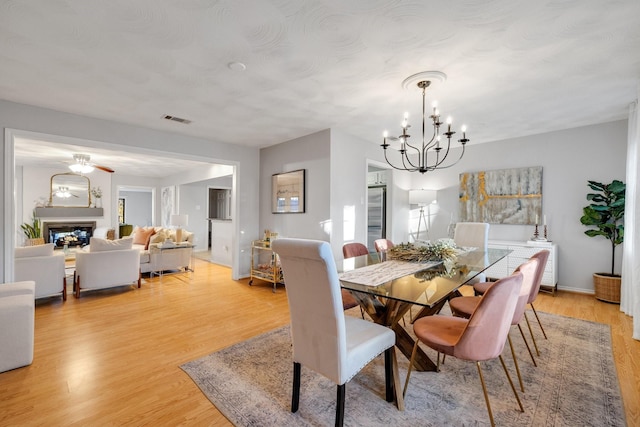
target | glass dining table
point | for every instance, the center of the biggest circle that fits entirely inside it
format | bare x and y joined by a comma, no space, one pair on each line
387,290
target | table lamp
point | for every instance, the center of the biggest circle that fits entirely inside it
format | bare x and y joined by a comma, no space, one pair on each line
179,221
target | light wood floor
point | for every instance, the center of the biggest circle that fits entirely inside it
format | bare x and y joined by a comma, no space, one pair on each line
112,357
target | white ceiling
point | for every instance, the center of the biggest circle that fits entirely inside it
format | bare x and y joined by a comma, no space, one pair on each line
514,67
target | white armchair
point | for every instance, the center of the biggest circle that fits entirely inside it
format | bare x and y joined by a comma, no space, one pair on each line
17,313
41,265
107,265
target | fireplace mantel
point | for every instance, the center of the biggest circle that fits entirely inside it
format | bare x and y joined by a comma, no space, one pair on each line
71,212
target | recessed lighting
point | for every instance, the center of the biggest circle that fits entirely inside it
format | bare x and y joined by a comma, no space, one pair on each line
236,66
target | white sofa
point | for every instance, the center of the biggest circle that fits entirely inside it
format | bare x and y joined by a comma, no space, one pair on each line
107,264
152,260
17,317
44,267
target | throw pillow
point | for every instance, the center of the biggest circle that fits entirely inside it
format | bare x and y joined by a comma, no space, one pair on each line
159,236
141,236
104,245
31,251
186,235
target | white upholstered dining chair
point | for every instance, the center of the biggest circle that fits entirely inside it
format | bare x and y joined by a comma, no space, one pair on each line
473,234
324,339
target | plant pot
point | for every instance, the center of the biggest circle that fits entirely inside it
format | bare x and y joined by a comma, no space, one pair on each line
34,242
607,287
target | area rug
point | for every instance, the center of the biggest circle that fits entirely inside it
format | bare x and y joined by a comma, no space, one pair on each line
575,384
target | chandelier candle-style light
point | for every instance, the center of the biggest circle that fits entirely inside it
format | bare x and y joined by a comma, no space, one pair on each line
430,155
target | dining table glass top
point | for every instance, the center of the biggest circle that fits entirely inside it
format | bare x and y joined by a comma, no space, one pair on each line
427,286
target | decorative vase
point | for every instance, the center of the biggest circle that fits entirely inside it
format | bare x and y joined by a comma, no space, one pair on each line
98,202
607,287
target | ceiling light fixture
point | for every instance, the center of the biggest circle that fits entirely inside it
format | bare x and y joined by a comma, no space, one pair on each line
429,156
63,192
81,165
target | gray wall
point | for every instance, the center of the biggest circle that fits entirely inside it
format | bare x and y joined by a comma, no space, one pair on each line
113,135
569,158
138,207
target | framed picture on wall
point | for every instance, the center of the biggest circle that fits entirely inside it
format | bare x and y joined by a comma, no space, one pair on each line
287,192
121,205
167,204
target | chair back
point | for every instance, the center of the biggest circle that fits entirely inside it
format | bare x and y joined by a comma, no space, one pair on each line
382,245
315,303
350,250
488,326
542,258
528,270
474,234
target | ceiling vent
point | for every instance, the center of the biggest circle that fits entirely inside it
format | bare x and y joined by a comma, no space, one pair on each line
177,119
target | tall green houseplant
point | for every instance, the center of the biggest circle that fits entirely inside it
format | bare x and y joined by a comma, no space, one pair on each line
32,230
605,214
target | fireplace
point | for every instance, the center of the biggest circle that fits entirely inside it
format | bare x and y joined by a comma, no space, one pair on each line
72,233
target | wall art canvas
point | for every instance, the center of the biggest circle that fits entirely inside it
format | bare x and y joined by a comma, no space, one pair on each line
504,196
168,200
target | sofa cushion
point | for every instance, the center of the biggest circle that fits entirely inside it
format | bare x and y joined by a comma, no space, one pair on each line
104,245
145,257
31,251
141,236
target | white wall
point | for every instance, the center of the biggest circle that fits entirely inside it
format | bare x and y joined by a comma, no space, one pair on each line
311,153
569,158
15,118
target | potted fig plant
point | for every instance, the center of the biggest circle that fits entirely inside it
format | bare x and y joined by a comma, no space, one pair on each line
604,217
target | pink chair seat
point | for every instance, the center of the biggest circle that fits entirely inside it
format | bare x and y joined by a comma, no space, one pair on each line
441,332
348,301
481,288
464,306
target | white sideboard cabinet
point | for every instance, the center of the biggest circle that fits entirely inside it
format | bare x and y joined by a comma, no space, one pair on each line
520,252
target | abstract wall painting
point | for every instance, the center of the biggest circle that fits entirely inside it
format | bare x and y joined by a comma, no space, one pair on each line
504,196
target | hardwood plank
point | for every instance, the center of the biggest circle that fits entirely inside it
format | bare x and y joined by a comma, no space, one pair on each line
113,356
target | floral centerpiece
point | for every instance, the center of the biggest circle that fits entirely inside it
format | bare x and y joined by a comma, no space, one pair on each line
437,251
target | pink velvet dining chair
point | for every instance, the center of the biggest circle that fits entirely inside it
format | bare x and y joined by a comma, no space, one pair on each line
465,306
542,257
350,250
481,337
382,245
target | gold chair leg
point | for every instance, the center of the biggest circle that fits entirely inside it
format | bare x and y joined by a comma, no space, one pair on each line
531,332
515,393
533,359
413,356
486,395
515,362
538,319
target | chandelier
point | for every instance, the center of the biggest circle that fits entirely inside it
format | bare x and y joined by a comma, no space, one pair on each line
432,153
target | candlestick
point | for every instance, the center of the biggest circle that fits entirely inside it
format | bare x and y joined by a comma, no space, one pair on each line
545,232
